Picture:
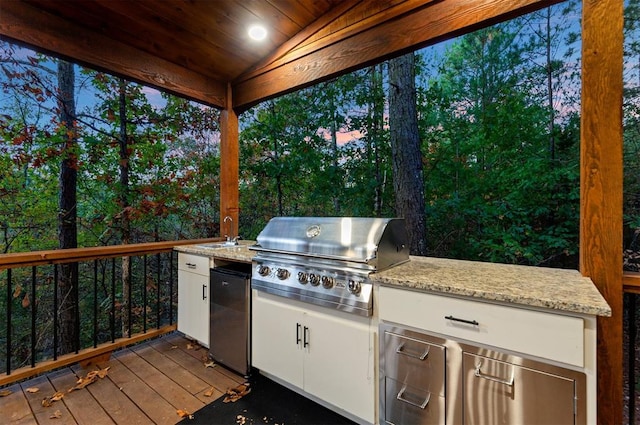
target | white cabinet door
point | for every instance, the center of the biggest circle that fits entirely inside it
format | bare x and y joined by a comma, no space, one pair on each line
276,342
193,306
339,363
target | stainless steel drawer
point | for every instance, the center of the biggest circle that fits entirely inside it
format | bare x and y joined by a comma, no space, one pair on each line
414,362
405,405
498,392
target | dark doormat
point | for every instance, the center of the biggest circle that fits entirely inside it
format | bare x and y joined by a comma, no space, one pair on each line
267,403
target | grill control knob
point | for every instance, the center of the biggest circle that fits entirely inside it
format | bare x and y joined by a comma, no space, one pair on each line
354,287
264,270
327,282
314,279
282,274
303,278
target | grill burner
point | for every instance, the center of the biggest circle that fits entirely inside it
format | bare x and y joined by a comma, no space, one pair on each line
327,260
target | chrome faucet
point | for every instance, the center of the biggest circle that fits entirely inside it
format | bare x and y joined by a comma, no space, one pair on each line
230,240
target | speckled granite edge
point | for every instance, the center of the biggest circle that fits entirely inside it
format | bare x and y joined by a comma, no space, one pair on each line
556,289
239,253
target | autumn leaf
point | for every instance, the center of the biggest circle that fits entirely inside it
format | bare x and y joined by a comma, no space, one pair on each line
56,415
48,401
25,301
17,291
184,414
210,392
189,346
210,364
5,393
32,390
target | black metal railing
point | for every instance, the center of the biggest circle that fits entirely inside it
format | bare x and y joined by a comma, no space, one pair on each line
632,357
46,317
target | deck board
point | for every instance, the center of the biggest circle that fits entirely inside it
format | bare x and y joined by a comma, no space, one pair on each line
15,407
81,404
146,384
45,415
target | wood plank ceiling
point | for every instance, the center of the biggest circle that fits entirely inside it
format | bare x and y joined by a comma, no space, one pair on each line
195,48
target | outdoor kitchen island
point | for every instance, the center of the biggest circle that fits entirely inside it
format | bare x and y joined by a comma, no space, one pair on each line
537,319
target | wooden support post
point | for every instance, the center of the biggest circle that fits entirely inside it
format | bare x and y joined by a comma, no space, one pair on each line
601,187
229,168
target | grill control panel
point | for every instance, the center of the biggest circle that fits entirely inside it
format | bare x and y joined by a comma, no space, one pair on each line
346,290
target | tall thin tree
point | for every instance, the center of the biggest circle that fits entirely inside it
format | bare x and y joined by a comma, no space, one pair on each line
405,150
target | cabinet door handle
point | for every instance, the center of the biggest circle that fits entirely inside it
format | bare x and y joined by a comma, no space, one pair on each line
478,374
298,340
421,357
400,397
468,322
190,265
204,292
306,337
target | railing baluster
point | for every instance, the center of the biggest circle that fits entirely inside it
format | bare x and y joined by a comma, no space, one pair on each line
158,291
631,350
55,312
129,302
33,316
112,319
144,294
95,303
76,308
171,256
9,301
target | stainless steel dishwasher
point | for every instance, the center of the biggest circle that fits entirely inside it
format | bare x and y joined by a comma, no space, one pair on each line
229,318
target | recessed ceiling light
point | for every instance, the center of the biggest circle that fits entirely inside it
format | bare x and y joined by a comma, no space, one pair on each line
257,32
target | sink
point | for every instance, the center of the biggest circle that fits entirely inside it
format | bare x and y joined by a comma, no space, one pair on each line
218,245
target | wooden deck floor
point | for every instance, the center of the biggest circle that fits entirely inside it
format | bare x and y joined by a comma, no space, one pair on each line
145,384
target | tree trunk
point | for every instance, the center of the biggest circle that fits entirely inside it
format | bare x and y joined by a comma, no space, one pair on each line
405,150
67,212
123,199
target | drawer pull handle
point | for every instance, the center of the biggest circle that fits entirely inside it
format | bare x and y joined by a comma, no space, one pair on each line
421,357
400,397
468,322
190,265
479,374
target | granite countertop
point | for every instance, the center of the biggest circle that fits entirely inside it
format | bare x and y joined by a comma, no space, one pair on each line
557,289
239,253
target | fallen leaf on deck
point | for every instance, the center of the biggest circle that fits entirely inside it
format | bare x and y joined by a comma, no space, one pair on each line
173,347
32,390
235,394
56,415
184,414
90,378
189,346
5,393
210,392
210,364
48,401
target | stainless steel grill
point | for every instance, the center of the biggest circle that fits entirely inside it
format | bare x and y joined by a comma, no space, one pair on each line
327,260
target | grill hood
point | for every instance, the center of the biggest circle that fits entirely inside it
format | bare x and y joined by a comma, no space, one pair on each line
379,243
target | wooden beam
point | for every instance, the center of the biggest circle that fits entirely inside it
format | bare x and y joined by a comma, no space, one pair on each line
601,180
385,38
25,24
229,169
